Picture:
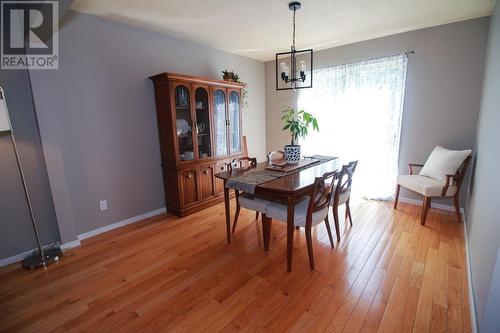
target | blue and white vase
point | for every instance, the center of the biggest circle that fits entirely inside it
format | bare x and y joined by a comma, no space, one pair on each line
292,154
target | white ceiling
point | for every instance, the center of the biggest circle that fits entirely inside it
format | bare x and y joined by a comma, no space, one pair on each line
260,28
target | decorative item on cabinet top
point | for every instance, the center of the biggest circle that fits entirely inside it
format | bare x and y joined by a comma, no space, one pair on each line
199,126
166,76
231,76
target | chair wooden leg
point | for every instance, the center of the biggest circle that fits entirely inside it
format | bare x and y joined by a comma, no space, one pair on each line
310,247
425,208
457,208
237,212
236,215
266,231
290,213
257,216
335,210
348,210
396,196
328,230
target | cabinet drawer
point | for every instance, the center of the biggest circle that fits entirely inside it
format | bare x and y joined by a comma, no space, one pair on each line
189,186
206,182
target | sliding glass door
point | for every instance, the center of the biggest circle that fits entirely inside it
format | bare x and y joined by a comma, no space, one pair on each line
359,107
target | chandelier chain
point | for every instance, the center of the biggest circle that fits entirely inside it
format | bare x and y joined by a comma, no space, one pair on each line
293,64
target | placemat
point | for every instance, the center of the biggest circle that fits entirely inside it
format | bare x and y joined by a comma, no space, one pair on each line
292,167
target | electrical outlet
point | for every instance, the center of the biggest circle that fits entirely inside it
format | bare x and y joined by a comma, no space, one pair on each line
103,204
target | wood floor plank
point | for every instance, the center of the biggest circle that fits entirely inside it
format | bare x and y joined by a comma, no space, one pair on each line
388,273
399,294
424,307
410,309
438,319
373,317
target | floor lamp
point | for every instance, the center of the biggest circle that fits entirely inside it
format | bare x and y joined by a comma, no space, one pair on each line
41,257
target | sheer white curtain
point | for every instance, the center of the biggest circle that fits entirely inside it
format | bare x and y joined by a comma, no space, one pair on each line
359,108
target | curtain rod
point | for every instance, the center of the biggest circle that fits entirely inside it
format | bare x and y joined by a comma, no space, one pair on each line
406,53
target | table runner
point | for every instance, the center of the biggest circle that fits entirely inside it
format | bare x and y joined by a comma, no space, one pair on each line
249,181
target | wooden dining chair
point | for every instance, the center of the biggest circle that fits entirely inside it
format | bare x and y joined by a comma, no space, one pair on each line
246,200
242,162
275,155
309,212
436,180
341,194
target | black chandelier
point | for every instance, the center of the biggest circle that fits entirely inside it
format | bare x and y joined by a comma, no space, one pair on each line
294,68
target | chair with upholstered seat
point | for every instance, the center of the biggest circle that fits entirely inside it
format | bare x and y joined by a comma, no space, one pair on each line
309,212
440,176
246,200
341,194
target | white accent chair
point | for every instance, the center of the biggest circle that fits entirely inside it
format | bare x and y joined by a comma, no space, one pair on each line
440,176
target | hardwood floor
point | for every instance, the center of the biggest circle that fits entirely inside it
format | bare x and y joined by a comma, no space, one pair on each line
388,273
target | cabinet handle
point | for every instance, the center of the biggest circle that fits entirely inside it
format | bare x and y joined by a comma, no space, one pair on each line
189,176
205,172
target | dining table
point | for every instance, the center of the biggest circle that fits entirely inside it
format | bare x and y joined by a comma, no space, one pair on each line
276,186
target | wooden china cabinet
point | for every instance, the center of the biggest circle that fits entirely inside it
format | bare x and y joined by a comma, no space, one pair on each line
199,122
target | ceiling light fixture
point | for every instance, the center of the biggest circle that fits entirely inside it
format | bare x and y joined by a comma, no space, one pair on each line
294,68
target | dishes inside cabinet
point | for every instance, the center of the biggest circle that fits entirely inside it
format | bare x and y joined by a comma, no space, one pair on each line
182,127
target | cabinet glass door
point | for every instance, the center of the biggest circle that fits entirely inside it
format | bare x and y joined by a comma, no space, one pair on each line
220,122
202,129
184,122
234,122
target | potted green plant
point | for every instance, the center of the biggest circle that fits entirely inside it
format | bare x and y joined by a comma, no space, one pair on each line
297,123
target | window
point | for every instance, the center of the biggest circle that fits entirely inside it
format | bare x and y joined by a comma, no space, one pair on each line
359,107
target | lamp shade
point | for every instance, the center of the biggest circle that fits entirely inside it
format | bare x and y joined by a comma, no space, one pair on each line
4,117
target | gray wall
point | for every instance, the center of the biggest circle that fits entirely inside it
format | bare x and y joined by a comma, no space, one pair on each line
98,121
16,231
483,220
442,92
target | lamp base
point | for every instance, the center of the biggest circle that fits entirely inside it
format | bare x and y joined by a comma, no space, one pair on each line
51,255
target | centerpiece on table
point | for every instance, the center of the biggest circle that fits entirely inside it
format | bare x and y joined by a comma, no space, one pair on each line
297,123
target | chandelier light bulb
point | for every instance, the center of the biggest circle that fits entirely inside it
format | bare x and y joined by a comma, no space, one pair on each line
283,66
303,65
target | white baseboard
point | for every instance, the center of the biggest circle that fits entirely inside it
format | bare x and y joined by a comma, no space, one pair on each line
21,256
69,245
76,242
433,204
131,220
472,304
15,258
